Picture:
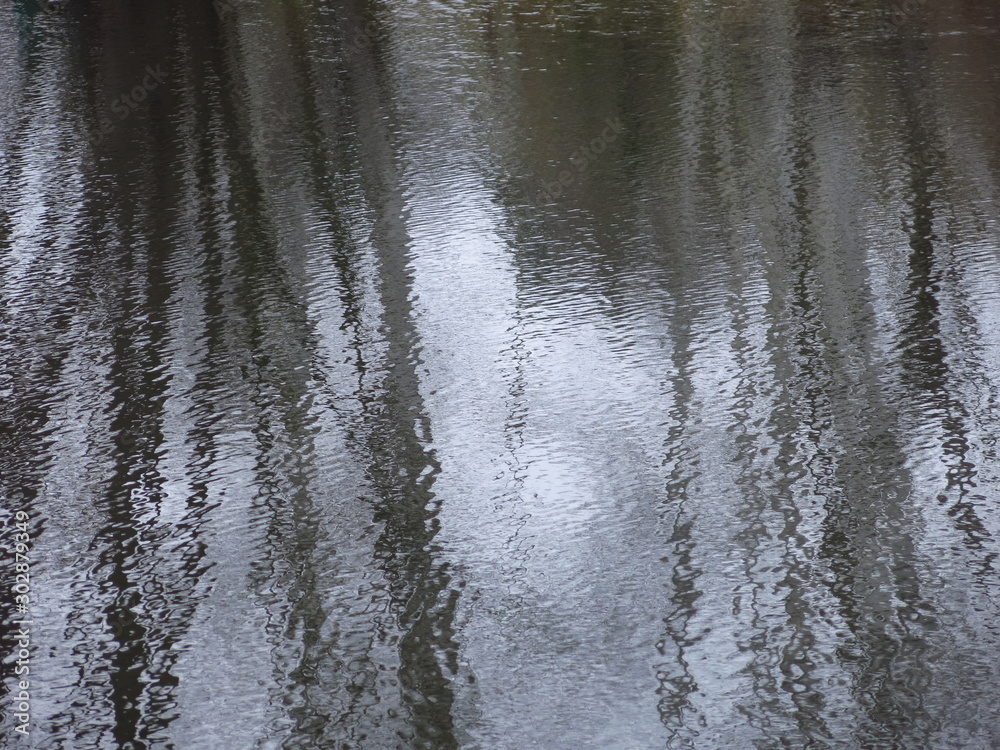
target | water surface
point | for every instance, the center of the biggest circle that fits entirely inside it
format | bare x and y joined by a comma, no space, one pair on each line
439,375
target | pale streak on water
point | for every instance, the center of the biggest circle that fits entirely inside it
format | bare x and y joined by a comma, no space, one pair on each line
339,430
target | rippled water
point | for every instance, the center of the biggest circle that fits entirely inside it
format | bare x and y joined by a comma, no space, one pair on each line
388,374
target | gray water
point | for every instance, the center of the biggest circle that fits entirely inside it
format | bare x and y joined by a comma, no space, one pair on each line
608,375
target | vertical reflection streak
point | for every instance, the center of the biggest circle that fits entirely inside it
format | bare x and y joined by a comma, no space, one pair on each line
399,435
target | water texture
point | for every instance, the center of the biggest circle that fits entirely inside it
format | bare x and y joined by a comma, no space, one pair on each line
388,374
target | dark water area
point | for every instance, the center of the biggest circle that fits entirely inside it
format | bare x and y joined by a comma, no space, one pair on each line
608,375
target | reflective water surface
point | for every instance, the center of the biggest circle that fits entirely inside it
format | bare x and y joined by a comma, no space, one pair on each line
467,374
